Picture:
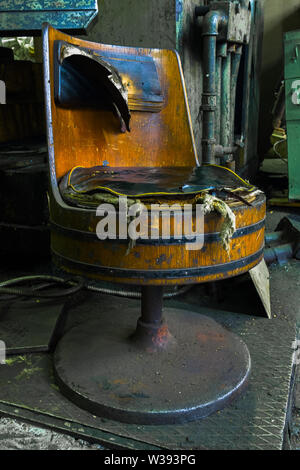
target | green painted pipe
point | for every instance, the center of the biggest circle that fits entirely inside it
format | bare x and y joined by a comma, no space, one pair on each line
235,66
221,52
212,22
218,104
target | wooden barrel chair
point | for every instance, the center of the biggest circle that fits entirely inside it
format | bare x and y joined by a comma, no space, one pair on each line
119,125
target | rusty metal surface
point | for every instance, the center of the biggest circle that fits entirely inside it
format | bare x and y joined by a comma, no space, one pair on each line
203,368
239,21
18,17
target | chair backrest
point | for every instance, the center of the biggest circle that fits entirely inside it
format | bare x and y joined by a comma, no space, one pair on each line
88,136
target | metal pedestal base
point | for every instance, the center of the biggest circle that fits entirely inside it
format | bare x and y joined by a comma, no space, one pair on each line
158,375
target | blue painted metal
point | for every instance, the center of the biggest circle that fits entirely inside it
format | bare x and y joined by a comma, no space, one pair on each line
210,30
292,109
179,22
25,17
246,80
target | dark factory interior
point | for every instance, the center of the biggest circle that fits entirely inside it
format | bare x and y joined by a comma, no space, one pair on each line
149,227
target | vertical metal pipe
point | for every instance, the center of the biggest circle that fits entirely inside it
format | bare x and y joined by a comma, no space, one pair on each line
221,52
218,93
225,101
152,302
152,332
235,66
209,99
213,20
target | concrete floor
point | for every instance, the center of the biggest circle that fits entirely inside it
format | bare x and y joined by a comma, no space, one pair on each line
295,436
15,435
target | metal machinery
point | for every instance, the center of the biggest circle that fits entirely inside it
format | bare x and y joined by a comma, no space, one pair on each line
119,125
292,107
231,32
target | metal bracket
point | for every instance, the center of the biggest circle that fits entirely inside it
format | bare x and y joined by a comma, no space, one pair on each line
239,22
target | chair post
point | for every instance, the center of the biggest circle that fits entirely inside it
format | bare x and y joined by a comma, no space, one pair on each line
152,333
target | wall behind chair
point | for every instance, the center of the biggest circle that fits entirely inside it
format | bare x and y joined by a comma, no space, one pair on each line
280,16
145,23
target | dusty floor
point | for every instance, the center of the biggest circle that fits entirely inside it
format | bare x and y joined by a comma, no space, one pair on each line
295,437
15,435
285,289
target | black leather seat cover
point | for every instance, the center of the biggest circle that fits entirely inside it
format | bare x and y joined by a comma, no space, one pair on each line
142,182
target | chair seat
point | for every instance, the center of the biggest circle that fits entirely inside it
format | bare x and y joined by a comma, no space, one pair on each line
88,186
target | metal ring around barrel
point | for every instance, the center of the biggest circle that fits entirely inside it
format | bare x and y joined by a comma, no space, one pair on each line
164,262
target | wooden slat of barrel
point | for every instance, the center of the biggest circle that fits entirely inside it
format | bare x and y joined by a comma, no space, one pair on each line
165,261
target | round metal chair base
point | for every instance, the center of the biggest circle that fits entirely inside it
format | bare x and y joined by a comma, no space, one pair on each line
99,366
